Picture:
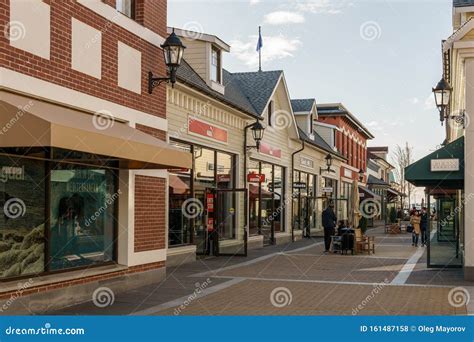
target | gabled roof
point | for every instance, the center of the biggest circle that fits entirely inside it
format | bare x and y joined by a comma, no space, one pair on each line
233,95
302,105
338,109
459,33
200,36
263,81
319,142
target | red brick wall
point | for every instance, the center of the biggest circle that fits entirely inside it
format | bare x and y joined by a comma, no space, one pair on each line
159,134
347,146
150,224
58,68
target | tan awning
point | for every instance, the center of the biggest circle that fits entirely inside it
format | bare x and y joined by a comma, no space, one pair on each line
25,122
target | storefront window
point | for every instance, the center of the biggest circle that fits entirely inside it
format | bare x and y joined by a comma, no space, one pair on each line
82,212
304,202
22,198
267,202
179,191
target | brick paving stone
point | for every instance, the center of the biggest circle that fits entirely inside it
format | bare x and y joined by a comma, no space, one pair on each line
253,297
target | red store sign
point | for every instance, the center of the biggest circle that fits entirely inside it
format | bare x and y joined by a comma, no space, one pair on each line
206,130
270,150
255,178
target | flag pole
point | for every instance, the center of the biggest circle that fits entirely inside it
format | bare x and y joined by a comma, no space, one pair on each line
259,50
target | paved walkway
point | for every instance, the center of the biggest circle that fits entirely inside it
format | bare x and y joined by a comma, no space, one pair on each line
298,279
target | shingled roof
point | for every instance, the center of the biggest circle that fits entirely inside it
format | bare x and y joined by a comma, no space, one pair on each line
463,3
318,142
302,105
232,97
263,81
239,87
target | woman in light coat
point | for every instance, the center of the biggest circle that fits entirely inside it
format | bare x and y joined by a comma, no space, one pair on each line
415,221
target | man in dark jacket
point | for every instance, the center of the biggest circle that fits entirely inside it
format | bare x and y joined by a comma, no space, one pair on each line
329,220
424,226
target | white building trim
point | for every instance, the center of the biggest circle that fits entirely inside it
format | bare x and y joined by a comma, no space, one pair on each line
51,92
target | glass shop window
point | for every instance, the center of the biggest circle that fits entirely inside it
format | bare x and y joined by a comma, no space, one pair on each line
22,198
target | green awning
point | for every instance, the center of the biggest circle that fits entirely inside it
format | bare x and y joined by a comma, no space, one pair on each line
443,168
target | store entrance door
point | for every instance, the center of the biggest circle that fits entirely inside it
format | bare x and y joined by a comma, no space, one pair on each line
230,226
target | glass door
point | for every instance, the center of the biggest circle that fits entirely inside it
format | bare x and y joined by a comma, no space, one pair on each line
230,225
443,234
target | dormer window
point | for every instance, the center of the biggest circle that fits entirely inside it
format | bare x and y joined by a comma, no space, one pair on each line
270,113
215,65
126,7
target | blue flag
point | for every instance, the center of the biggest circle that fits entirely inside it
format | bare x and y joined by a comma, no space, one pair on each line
260,41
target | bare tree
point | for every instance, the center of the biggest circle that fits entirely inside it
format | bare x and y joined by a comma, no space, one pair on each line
402,157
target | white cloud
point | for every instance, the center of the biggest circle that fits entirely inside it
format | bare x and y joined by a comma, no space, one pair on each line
430,103
254,2
274,48
283,17
323,6
414,100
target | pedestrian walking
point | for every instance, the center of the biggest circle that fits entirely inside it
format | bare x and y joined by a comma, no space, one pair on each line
424,226
329,220
415,221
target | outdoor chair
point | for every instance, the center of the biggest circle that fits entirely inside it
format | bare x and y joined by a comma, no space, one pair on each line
364,243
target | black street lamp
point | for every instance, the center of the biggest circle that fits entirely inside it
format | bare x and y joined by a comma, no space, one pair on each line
361,175
328,159
173,50
442,94
257,133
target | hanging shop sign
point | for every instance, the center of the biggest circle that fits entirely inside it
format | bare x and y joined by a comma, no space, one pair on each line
299,185
206,130
440,165
327,189
269,150
223,178
255,178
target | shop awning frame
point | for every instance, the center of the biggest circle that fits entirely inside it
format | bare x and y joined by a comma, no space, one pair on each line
31,123
421,175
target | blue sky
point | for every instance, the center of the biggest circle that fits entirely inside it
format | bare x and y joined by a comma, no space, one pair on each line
379,58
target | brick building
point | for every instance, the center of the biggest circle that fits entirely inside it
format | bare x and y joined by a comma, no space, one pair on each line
83,148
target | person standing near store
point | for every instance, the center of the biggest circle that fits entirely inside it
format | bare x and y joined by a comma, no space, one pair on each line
415,221
424,226
329,220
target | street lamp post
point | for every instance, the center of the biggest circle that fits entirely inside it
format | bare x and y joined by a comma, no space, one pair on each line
442,93
361,175
328,160
173,50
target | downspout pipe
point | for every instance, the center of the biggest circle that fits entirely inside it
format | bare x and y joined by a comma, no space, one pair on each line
292,189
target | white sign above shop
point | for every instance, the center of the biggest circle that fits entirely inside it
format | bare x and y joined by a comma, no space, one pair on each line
439,165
